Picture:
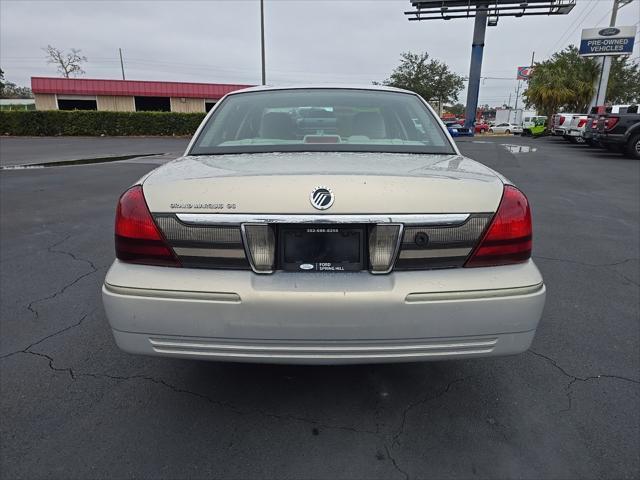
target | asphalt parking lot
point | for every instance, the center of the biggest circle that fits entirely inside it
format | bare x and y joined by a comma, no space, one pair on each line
74,406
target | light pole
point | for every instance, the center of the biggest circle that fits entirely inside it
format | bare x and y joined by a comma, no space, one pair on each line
264,71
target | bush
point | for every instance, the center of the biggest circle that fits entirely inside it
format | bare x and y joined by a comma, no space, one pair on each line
92,123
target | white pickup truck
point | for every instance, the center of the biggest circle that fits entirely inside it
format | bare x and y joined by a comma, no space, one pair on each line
576,128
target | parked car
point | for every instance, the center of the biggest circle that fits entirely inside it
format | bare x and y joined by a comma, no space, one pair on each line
505,128
456,129
591,127
621,132
272,241
591,135
534,126
576,129
560,123
481,127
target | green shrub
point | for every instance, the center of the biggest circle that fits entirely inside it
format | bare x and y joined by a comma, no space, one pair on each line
92,123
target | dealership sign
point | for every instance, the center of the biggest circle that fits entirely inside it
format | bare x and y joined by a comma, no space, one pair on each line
607,41
524,73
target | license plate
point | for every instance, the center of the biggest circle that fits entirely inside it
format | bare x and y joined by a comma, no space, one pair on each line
321,248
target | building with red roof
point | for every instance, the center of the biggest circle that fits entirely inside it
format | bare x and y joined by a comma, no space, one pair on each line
127,95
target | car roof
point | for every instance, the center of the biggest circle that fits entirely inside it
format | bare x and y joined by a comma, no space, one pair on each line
266,88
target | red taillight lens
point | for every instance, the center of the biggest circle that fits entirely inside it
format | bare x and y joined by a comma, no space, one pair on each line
610,122
561,121
594,123
138,239
582,122
508,238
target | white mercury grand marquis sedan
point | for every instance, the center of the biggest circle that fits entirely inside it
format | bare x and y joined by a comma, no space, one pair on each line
323,225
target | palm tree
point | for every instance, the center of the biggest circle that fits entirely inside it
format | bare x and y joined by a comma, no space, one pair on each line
566,81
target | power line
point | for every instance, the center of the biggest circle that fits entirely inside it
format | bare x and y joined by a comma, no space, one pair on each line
577,22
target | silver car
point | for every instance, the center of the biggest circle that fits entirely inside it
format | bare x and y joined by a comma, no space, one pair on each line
321,225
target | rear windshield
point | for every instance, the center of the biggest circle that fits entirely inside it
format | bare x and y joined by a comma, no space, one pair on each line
303,120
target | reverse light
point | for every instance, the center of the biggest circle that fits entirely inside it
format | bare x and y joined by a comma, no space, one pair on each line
137,237
610,122
508,239
383,246
260,244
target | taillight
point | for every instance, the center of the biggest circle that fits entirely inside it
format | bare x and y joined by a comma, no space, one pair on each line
561,121
508,238
138,239
582,122
610,122
594,123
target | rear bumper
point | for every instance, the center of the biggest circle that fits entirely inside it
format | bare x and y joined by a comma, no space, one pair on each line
323,318
612,139
559,131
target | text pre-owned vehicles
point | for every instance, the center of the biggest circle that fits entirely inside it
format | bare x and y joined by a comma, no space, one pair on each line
319,225
621,131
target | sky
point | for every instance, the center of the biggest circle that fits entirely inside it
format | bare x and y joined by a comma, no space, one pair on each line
307,41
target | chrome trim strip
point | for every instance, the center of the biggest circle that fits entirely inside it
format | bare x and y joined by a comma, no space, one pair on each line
210,252
473,294
160,342
224,297
439,253
238,218
323,356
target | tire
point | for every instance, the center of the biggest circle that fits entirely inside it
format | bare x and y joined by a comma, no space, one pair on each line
632,148
579,140
507,131
571,139
491,130
482,130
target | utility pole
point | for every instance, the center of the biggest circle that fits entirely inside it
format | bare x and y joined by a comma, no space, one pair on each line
600,95
121,63
264,71
509,102
475,70
517,95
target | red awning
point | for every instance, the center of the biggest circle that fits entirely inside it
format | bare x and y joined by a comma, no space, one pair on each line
87,86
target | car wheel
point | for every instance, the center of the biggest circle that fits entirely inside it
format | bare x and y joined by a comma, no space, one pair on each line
579,139
633,146
491,130
571,139
482,130
507,131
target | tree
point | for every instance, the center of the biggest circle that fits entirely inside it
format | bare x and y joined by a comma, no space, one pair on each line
624,81
11,90
457,109
565,81
67,63
431,79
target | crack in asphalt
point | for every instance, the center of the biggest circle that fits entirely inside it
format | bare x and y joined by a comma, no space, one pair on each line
574,378
74,375
422,401
64,288
395,463
34,311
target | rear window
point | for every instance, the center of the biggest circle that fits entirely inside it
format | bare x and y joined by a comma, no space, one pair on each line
300,120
